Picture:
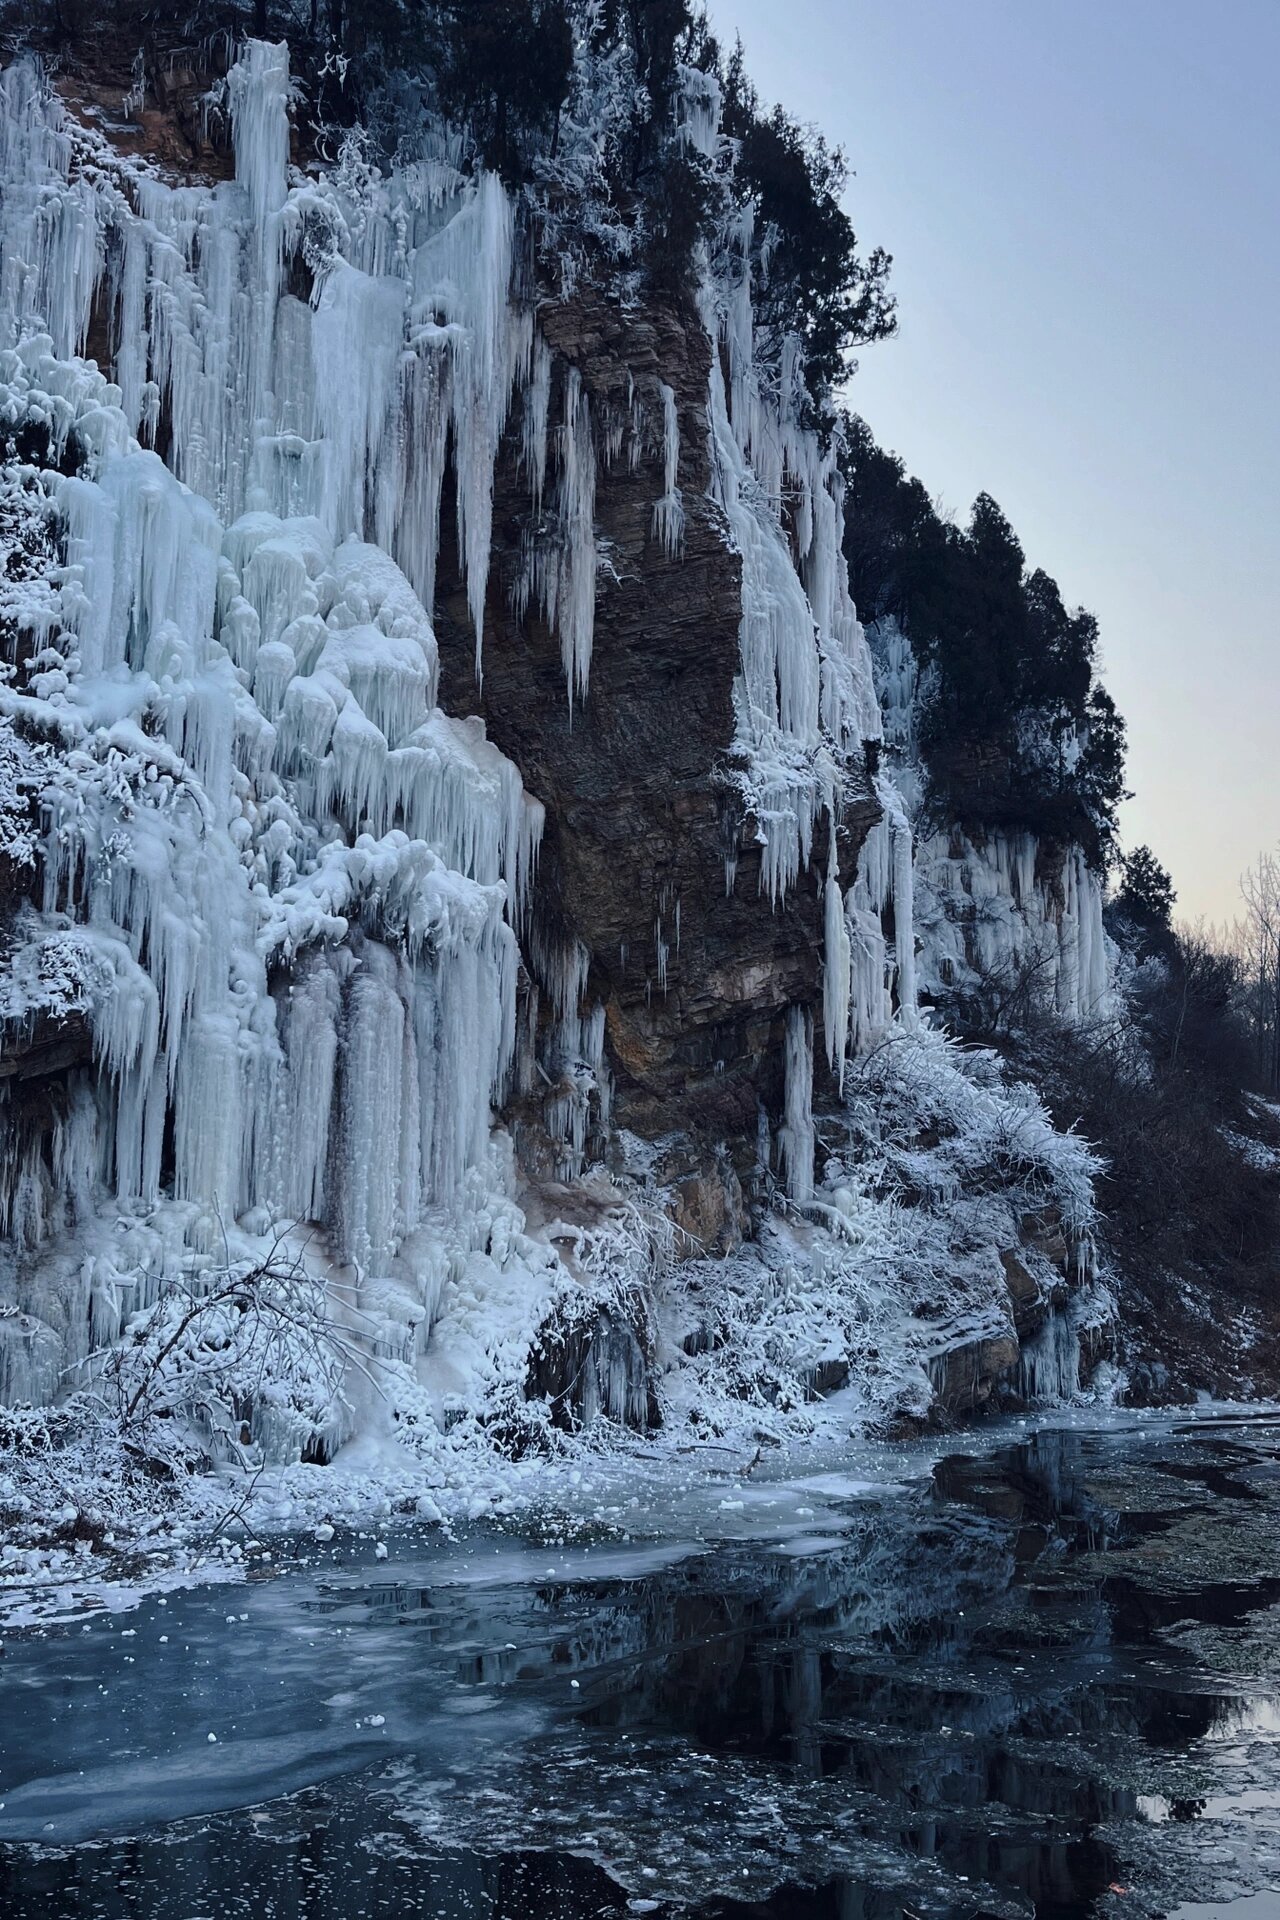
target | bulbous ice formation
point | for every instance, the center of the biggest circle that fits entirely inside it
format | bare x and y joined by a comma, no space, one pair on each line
295,883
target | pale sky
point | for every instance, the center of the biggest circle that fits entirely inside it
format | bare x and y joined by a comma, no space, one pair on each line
1082,198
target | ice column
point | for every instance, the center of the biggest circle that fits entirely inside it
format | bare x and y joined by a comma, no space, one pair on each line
668,512
797,1143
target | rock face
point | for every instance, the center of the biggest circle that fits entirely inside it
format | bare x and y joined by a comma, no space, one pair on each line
137,73
695,976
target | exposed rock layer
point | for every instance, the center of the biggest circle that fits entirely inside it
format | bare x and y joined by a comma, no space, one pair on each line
640,816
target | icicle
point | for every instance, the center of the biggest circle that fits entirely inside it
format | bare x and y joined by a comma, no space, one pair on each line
837,975
537,410
573,609
903,903
668,512
378,1058
797,1143
258,86
357,334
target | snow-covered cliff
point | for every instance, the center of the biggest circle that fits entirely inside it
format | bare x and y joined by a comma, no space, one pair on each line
1006,917
285,1003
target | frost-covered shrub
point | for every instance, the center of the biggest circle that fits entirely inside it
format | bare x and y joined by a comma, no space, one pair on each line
939,1122
245,1365
23,768
927,1172
74,1481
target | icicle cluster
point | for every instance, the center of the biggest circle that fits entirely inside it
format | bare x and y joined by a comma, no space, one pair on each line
996,917
995,913
292,882
805,699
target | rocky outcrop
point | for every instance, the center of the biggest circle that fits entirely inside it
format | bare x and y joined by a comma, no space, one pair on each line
695,975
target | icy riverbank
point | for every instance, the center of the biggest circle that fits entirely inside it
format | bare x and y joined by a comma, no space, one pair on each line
928,1679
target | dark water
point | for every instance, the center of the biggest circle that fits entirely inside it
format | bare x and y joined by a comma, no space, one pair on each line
1041,1678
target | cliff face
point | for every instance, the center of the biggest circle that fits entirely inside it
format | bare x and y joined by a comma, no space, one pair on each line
461,812
647,859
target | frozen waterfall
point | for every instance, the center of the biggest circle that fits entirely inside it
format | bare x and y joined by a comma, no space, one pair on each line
293,883
288,896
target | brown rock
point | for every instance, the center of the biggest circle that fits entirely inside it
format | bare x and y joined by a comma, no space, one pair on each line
965,1378
1026,1300
640,817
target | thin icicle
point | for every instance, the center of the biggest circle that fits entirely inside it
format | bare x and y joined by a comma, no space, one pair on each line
837,974
668,512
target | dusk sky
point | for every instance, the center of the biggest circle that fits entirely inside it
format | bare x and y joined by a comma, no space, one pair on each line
1082,198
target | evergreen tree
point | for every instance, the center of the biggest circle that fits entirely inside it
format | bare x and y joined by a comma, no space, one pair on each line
1012,669
1146,893
808,277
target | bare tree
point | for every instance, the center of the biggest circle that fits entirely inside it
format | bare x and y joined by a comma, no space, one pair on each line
247,1357
1261,944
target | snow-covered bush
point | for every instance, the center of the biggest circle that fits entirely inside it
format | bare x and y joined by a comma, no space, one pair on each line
926,1174
244,1365
940,1122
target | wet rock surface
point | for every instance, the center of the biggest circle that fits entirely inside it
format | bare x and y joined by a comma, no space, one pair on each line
1036,1679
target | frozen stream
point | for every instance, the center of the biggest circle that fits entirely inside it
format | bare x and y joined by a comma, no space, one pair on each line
1038,1674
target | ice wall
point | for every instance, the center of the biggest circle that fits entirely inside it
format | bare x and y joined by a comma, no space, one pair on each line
293,883
284,890
1005,917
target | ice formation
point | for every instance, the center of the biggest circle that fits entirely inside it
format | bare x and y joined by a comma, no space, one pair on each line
295,883
997,915
805,699
285,893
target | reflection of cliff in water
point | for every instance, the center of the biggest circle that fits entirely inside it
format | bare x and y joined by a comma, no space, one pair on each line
982,1695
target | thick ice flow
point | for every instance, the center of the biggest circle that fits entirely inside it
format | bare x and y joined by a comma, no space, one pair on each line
286,885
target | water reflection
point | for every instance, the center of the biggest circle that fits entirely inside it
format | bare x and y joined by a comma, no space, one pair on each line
1007,1691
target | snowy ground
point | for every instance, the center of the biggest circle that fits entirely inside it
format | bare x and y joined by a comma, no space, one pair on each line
233,1527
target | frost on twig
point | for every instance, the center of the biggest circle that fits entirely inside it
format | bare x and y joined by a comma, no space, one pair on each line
244,1366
